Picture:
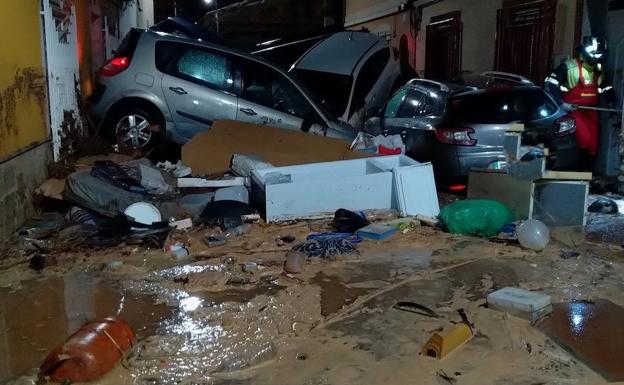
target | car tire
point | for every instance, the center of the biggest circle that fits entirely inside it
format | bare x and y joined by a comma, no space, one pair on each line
134,128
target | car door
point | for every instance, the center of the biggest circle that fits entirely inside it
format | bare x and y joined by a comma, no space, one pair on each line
197,83
268,97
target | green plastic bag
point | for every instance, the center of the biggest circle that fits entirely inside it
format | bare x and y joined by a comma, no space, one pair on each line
476,217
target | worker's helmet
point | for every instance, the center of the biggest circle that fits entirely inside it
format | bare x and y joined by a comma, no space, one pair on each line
593,49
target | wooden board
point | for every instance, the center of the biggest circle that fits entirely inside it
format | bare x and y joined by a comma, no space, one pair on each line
568,175
210,152
515,193
560,203
516,127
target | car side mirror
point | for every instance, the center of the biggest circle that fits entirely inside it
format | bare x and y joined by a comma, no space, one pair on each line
373,126
373,112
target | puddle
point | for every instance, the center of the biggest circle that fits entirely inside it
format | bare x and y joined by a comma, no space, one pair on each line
38,317
335,294
182,334
592,332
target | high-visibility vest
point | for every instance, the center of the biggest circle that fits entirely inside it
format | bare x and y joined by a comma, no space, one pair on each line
589,73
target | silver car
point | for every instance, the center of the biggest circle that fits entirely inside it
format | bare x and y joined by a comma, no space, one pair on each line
352,72
160,85
458,130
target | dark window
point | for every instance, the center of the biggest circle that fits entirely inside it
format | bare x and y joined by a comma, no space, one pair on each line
332,90
196,64
267,87
395,103
417,104
128,44
501,106
367,77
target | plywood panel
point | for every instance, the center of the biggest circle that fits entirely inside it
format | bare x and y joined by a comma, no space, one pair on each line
514,193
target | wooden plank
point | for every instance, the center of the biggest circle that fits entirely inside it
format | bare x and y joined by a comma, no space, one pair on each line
516,127
561,203
528,170
515,193
210,183
568,175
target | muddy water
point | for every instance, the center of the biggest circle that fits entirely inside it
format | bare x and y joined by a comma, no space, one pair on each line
592,332
39,316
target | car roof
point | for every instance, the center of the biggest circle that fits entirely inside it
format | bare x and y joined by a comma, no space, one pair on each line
157,35
498,89
345,49
186,28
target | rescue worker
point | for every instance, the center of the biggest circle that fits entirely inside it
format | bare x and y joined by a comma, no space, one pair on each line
579,82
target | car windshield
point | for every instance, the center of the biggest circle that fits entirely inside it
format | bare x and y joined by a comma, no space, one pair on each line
499,106
330,90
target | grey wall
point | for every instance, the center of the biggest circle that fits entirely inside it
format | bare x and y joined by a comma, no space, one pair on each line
19,177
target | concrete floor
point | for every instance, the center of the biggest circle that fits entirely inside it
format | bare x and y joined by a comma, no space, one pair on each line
205,321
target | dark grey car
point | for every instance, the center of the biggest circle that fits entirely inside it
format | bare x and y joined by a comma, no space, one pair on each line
464,129
161,82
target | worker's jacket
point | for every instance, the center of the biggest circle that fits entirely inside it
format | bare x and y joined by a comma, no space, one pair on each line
567,76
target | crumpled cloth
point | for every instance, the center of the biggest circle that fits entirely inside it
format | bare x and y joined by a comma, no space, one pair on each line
326,248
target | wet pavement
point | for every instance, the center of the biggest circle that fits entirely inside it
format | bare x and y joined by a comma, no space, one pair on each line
205,321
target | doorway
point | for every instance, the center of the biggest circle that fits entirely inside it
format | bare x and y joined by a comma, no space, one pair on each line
524,39
444,47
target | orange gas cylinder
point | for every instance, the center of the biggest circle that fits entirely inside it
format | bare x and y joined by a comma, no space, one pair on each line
90,353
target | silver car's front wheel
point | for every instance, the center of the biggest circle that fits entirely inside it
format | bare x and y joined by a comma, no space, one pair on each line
134,131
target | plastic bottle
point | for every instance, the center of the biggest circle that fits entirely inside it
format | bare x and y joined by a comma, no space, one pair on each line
90,353
237,231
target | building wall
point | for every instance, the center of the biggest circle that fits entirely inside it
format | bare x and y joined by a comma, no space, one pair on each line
20,175
22,83
479,33
24,145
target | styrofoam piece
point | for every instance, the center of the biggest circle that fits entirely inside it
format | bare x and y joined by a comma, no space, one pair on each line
319,189
215,183
522,303
234,193
143,212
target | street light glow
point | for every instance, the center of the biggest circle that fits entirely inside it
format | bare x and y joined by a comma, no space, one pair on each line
208,2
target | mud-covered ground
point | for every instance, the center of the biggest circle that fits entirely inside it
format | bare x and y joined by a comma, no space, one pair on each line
204,320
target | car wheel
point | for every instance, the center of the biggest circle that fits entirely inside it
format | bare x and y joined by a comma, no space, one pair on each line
135,129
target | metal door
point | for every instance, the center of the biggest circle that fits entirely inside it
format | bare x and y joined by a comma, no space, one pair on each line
59,19
524,40
444,47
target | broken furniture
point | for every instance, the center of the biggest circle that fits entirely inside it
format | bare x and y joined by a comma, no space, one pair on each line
556,202
530,190
210,152
319,189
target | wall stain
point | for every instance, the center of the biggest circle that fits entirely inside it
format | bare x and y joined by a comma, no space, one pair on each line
28,84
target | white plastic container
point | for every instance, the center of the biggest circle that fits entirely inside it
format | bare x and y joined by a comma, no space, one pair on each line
522,303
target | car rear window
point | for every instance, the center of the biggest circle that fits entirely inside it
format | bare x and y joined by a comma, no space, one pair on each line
501,106
129,43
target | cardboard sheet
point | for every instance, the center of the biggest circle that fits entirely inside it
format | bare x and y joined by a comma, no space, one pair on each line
210,152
